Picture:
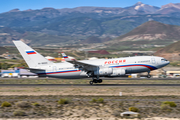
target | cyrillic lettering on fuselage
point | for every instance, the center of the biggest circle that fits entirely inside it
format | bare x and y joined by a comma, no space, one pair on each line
114,61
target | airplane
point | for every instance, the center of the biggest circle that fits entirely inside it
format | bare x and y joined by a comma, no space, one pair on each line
73,69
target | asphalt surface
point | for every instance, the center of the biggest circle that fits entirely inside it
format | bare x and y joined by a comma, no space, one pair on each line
100,85
115,78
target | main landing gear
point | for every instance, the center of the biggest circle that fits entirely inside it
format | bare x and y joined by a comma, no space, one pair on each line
95,81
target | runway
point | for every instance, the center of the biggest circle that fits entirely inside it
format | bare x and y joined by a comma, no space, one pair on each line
104,78
84,85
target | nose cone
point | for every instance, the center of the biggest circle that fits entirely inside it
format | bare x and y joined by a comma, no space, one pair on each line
166,63
163,62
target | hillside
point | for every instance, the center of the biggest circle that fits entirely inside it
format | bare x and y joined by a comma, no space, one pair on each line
170,52
152,30
172,48
92,39
7,35
3,50
148,35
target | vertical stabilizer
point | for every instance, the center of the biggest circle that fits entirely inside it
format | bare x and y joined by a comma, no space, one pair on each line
66,58
32,58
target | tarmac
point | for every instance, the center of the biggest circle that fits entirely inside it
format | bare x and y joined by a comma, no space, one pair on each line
95,84
81,85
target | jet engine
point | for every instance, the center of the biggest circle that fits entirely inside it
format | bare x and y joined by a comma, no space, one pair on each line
103,71
118,72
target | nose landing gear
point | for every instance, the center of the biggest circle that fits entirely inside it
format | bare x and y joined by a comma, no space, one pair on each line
149,76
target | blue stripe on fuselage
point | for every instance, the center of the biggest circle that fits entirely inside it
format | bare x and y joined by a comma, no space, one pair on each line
134,65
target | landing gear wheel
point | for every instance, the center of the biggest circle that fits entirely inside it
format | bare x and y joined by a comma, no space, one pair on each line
95,81
100,81
91,82
149,76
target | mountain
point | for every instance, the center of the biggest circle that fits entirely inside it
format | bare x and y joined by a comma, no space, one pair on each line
49,26
171,5
169,9
139,7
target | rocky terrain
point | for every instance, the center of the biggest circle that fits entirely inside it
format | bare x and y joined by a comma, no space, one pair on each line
85,107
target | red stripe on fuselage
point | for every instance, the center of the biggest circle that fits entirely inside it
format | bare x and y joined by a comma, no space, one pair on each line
63,72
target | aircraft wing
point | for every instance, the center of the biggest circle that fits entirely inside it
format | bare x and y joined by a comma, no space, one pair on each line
78,64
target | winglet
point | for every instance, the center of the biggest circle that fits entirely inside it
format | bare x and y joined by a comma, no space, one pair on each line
66,58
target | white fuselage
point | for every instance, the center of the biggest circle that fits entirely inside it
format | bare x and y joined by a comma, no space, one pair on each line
130,65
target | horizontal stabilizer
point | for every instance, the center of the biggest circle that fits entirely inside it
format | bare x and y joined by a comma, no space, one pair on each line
36,70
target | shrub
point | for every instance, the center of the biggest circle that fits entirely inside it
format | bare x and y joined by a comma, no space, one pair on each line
36,104
19,113
6,104
133,109
93,100
63,101
166,107
170,103
100,100
23,104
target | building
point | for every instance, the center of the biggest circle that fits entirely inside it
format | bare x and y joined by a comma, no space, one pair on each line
173,74
17,73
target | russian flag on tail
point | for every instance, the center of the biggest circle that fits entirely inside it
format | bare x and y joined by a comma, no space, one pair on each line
66,58
64,55
30,52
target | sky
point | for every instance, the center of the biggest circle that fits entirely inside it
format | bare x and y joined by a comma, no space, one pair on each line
7,5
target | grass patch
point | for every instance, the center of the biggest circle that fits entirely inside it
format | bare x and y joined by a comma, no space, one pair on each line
6,104
64,101
170,103
36,104
133,109
100,100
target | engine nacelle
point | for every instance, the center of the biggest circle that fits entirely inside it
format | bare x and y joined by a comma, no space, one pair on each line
103,71
118,72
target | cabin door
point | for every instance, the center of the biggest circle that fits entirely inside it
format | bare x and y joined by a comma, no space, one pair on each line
153,60
54,69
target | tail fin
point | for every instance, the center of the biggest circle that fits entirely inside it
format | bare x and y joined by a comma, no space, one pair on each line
32,58
66,58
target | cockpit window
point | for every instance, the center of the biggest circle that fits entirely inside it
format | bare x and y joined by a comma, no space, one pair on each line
163,60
